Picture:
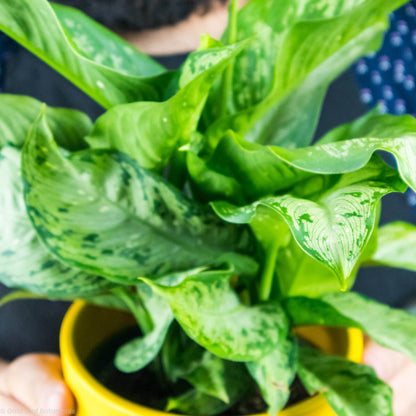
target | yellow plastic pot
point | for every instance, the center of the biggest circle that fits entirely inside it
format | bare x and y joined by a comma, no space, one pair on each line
85,327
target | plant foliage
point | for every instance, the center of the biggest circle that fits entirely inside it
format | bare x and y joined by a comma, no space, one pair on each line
198,202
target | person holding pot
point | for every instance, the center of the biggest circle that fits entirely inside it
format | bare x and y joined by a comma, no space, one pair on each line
167,30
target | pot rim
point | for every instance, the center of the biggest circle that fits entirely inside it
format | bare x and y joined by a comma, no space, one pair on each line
354,353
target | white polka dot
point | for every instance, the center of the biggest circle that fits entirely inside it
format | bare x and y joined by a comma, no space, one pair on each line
376,78
384,63
387,92
409,83
395,39
382,107
366,96
402,27
362,67
400,107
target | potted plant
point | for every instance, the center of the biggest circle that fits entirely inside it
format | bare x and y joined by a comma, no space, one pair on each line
197,203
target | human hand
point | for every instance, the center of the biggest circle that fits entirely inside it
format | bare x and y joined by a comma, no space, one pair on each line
399,372
33,383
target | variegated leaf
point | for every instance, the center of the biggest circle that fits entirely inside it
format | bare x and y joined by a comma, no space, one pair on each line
396,246
350,155
210,312
24,261
18,112
139,352
333,227
150,132
34,24
100,211
351,389
392,328
275,373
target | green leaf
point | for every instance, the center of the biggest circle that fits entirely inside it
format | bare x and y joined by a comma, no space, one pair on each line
210,312
335,226
350,155
275,373
240,171
18,112
351,389
310,56
24,261
209,374
392,328
396,246
19,295
100,211
151,132
372,124
139,352
34,25
194,402
98,44
315,42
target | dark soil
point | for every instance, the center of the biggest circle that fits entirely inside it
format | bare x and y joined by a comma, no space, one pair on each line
145,388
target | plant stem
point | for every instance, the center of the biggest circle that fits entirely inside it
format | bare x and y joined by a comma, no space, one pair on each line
266,282
227,80
138,310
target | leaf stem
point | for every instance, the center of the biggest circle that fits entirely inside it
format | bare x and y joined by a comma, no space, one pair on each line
138,310
227,80
266,282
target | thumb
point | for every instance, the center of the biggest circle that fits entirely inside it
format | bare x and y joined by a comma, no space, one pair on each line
36,381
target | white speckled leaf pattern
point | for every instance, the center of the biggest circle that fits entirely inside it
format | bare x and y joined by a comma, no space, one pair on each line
150,132
210,312
350,155
351,389
391,328
336,226
139,352
100,211
24,261
275,373
34,25
103,46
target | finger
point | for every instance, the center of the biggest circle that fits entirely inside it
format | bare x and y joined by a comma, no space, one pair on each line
403,384
36,381
9,406
385,362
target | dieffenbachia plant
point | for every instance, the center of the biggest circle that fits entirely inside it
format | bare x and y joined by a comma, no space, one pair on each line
197,201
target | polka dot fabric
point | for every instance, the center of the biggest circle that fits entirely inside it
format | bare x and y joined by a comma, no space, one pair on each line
387,79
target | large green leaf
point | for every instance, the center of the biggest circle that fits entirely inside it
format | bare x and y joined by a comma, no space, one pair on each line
396,246
139,352
150,132
33,24
24,261
275,373
18,112
100,211
100,45
389,327
350,155
334,225
312,54
239,171
372,124
211,313
315,42
351,389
